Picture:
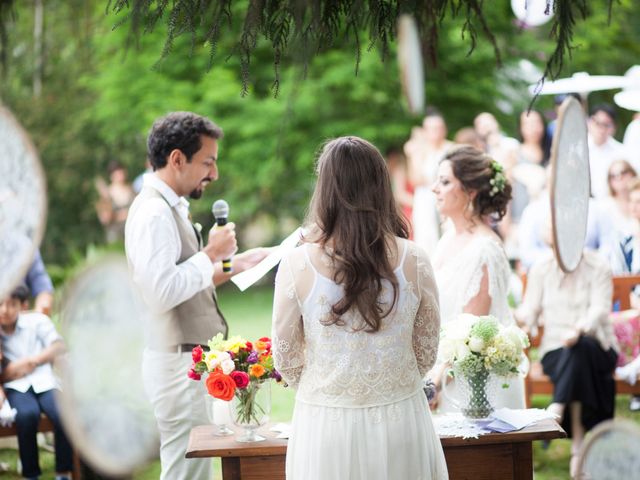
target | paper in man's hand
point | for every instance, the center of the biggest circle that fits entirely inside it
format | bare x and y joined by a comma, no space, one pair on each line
247,278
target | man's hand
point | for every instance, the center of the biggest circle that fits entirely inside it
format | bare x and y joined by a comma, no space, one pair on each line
44,303
23,367
222,243
250,258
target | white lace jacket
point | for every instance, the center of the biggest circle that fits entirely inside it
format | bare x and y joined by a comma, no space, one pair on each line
334,365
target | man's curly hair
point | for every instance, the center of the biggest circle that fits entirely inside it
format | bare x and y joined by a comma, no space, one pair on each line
178,130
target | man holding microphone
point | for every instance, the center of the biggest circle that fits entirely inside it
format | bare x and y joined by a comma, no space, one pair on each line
176,276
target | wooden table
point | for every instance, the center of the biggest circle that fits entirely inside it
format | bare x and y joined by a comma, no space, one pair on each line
492,456
497,455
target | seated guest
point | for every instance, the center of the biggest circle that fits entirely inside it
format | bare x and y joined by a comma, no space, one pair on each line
620,177
30,343
578,348
532,244
625,252
625,255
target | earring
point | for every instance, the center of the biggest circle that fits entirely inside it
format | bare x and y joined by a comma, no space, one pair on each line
469,206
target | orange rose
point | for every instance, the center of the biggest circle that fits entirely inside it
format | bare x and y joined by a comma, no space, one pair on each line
220,386
263,344
256,370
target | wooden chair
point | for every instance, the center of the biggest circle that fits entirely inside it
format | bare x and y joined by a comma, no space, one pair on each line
45,425
537,383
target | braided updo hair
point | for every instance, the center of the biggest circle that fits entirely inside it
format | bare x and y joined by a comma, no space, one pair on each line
478,172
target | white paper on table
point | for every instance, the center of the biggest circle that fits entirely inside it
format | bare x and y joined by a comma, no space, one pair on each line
520,418
247,278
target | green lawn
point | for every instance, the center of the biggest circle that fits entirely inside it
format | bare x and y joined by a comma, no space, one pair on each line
249,315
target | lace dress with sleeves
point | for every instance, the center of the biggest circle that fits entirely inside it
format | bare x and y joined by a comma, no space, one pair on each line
360,411
459,281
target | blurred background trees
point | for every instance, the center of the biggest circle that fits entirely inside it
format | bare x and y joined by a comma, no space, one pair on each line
86,99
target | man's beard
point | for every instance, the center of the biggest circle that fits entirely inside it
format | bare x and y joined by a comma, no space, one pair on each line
197,192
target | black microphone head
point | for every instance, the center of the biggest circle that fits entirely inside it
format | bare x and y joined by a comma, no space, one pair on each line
220,209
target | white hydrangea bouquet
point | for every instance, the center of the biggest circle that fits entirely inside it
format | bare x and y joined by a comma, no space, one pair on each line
476,348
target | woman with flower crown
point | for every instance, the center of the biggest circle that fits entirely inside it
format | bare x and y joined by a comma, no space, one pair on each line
355,328
470,264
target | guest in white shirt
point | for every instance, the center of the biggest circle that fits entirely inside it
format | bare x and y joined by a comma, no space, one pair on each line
532,246
578,348
617,204
30,343
624,254
631,140
176,276
603,148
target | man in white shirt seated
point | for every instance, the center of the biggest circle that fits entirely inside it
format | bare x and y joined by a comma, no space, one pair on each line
30,343
603,148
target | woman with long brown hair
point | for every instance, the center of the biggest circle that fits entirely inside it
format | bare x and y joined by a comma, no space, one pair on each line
355,328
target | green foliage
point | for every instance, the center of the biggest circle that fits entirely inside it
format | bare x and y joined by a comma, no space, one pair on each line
304,29
99,100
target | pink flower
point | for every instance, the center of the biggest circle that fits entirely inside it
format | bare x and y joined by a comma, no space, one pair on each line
241,378
193,375
196,354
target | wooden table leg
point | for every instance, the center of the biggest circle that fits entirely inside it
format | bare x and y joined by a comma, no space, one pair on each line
523,461
253,468
230,468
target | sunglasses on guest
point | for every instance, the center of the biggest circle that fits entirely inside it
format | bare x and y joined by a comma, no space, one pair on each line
620,174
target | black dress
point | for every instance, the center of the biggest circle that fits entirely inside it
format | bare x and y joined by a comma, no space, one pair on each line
583,373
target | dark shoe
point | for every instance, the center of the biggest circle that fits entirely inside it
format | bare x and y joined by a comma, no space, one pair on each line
634,404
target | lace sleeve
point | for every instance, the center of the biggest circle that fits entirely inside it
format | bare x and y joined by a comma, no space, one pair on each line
287,329
492,261
426,329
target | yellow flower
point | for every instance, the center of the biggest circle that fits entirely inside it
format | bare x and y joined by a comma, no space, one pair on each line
235,343
217,342
256,370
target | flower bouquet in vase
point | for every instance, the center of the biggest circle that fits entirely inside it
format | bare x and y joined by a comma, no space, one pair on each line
239,372
479,351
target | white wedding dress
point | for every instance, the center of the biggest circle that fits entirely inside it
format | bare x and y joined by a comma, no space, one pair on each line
458,280
360,410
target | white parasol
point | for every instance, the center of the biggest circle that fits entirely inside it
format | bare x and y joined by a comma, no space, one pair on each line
580,82
629,98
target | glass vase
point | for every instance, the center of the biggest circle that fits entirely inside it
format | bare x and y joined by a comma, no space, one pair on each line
470,394
478,388
250,409
221,418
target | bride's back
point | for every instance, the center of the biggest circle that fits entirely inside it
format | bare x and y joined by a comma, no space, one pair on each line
346,365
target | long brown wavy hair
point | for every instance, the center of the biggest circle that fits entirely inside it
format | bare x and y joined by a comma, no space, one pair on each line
353,209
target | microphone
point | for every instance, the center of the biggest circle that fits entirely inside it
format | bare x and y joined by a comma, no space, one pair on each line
220,210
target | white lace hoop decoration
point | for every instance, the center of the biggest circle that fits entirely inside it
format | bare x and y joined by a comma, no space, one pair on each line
23,204
610,452
102,403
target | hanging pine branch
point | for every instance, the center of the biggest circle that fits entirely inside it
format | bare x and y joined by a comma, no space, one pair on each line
6,15
302,28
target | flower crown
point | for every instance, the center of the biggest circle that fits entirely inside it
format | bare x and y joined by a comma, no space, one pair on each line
498,181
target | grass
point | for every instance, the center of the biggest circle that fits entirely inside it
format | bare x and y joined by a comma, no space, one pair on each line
249,315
